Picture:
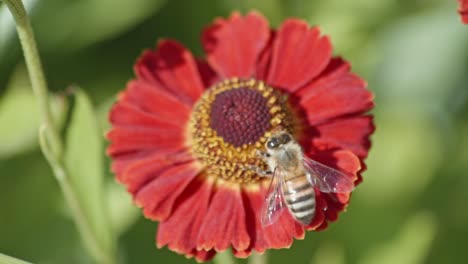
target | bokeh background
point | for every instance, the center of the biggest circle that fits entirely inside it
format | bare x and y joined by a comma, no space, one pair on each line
413,204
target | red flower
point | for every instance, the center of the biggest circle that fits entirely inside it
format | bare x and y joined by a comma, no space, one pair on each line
185,129
463,10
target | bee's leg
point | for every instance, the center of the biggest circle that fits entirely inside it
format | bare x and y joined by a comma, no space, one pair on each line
264,155
262,173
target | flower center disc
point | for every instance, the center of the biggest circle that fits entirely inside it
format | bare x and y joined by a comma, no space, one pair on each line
232,120
240,116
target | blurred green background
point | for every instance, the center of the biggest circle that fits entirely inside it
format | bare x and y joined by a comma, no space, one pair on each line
412,206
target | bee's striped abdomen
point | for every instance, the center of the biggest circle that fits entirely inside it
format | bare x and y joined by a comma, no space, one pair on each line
299,196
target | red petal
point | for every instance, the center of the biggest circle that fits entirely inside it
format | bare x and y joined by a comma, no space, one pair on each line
181,230
140,124
174,68
330,204
253,202
202,255
225,221
333,207
299,55
126,114
346,162
292,227
281,233
348,133
120,161
136,139
342,160
263,64
158,195
463,10
208,75
142,172
335,93
278,235
153,100
233,46
242,253
156,133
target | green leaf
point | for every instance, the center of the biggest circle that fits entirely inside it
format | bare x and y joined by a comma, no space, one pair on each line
4,259
122,210
18,122
19,119
103,113
411,244
84,162
89,21
330,253
29,213
405,74
272,9
407,163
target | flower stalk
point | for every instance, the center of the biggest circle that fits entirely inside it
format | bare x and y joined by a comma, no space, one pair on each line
36,74
224,258
50,141
257,258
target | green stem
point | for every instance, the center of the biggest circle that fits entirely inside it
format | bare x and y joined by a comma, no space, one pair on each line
224,257
256,258
96,250
36,73
49,139
4,259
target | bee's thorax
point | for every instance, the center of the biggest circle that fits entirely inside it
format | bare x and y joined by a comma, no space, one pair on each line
289,158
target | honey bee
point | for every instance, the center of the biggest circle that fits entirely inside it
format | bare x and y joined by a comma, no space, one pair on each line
295,179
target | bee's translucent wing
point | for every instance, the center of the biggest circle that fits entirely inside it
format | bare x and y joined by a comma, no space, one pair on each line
327,179
273,206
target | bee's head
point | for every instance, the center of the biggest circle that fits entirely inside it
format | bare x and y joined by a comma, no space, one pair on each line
278,140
